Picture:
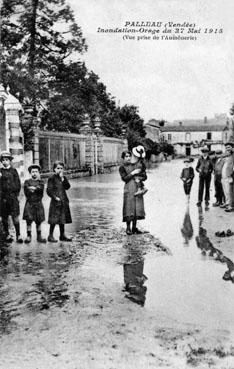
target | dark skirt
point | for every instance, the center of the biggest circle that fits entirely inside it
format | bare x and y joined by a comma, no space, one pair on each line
34,212
133,206
59,212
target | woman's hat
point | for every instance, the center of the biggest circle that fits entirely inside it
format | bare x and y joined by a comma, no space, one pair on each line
5,154
139,151
34,166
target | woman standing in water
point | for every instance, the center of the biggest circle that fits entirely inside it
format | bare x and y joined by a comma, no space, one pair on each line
133,206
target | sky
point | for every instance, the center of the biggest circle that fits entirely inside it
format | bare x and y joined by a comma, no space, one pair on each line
166,79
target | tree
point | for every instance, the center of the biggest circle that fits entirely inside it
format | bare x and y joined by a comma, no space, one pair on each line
76,92
131,120
37,36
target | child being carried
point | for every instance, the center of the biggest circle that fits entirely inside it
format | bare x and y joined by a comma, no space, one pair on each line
139,152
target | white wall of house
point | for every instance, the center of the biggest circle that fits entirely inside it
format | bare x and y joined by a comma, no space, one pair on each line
174,137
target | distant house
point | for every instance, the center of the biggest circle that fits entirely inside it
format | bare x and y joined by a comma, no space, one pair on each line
189,136
153,130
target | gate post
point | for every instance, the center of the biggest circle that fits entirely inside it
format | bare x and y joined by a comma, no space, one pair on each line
3,140
89,144
14,133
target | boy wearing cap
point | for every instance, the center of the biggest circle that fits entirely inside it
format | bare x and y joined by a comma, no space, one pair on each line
218,165
139,152
10,187
187,176
204,168
34,209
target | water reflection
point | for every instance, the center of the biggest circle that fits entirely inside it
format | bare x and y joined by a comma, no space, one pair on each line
207,249
31,281
134,278
187,228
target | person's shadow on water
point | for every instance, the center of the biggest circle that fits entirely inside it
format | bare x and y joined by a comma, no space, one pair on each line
187,228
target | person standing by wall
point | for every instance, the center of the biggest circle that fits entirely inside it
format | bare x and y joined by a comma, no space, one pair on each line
59,211
227,177
34,209
204,168
10,187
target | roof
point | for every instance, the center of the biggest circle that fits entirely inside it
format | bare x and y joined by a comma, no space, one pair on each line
194,128
153,123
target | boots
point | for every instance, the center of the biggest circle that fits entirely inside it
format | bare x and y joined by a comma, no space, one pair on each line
29,237
51,239
19,239
39,238
65,238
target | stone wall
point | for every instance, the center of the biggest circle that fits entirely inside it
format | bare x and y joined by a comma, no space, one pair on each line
88,153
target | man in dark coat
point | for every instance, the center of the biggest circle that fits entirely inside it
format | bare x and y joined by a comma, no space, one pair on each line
9,191
204,168
59,211
34,209
218,165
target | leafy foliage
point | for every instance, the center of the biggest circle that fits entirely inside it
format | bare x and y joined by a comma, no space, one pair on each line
37,36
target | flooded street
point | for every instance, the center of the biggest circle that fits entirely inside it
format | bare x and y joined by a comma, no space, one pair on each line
64,305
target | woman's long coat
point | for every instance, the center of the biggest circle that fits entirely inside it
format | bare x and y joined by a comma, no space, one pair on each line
59,211
133,206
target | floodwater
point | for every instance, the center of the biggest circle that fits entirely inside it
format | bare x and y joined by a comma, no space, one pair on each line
186,285
183,285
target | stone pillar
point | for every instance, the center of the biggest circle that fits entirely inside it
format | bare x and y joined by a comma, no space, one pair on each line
36,123
89,145
3,141
125,144
99,146
100,154
14,135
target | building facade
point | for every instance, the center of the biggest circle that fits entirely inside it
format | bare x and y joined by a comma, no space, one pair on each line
188,137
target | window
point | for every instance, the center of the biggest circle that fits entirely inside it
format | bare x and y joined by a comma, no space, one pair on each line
169,136
208,136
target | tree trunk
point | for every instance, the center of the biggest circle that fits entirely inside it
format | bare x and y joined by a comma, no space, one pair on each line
32,47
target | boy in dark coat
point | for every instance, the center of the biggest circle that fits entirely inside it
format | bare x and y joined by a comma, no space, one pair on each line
34,209
59,211
9,191
187,176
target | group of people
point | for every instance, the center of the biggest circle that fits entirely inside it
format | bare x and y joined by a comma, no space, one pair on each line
10,187
132,172
222,166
